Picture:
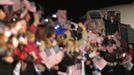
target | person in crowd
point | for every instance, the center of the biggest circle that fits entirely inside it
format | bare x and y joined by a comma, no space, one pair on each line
6,58
50,42
33,21
51,37
2,19
28,54
131,50
29,18
93,47
111,55
41,36
80,35
61,40
71,55
68,35
17,27
111,26
2,14
32,49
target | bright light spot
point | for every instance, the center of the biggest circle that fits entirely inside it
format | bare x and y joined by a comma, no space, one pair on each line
7,34
54,16
46,20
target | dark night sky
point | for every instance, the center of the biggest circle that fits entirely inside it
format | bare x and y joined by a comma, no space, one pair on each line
77,8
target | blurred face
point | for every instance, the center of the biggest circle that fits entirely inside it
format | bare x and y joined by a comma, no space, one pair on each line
111,17
62,37
23,40
130,46
23,27
99,40
3,39
32,39
111,48
27,18
68,33
2,15
53,36
70,44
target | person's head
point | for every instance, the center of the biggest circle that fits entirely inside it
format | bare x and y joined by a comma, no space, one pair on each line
50,33
77,35
111,17
71,45
30,36
2,40
29,18
109,44
6,43
2,13
68,33
18,27
41,31
111,48
61,38
130,46
23,26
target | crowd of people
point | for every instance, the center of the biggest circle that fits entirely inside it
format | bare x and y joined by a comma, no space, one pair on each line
31,45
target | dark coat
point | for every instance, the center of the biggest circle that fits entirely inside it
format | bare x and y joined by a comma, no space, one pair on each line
111,27
5,68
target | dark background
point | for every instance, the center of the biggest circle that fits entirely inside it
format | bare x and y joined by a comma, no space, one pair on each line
77,8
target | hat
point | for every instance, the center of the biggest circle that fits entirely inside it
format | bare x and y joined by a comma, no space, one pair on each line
58,29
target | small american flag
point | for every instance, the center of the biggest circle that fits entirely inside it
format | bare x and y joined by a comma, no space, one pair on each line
99,62
51,58
48,58
59,54
75,69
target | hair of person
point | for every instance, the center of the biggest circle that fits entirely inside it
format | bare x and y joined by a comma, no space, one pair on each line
59,38
2,43
108,42
50,31
30,35
41,31
31,18
73,42
2,8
